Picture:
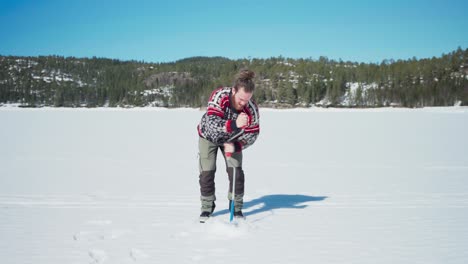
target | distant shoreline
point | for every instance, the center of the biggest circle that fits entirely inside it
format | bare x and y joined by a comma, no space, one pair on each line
269,109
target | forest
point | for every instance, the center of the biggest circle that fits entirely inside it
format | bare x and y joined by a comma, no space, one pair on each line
280,82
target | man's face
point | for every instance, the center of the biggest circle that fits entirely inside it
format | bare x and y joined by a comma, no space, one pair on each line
240,98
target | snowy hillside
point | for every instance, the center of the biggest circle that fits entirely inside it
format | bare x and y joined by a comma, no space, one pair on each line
280,82
322,186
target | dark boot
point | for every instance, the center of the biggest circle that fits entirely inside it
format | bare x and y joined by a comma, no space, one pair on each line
237,212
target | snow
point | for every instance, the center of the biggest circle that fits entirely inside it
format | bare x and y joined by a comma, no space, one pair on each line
322,186
349,98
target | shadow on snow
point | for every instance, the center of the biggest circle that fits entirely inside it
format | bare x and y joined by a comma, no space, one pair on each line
276,201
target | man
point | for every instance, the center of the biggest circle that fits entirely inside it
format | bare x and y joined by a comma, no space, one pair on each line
231,111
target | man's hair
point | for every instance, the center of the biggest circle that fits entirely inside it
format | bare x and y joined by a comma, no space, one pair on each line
245,79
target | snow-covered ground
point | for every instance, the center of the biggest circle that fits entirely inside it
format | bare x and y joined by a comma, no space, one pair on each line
322,186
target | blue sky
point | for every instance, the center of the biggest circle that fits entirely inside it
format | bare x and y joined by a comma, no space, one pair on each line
162,31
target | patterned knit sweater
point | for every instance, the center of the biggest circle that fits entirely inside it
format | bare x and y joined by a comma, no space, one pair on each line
218,123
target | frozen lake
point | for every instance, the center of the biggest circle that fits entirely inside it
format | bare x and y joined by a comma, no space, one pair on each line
322,186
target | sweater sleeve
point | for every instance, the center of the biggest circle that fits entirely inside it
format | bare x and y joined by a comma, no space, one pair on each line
214,128
246,140
252,131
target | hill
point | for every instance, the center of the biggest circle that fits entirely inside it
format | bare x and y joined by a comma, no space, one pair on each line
281,82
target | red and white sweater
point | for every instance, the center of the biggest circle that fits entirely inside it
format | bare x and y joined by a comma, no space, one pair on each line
218,123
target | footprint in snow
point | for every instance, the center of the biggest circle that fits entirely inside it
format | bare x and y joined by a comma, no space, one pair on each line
137,254
98,256
88,236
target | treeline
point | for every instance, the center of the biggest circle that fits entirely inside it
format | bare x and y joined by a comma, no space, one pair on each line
281,82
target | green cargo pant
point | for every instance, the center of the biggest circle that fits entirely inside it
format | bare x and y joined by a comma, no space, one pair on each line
208,152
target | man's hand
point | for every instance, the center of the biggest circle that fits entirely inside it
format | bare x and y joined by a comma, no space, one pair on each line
242,120
228,148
